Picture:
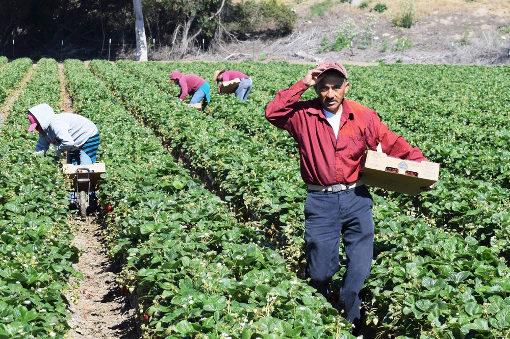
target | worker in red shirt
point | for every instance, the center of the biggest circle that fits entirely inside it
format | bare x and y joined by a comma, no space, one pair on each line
333,134
191,84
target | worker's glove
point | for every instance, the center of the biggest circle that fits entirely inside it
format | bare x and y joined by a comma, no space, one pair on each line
39,153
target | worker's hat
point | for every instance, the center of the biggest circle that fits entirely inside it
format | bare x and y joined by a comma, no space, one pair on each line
331,65
216,74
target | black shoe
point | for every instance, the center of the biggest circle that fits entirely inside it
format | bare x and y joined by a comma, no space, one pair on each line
333,298
358,327
321,286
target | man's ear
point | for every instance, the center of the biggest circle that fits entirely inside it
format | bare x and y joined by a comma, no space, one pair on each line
347,87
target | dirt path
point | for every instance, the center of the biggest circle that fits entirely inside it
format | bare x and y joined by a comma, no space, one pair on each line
65,99
5,109
96,306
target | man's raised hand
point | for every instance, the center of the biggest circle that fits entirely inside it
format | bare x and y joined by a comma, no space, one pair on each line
310,78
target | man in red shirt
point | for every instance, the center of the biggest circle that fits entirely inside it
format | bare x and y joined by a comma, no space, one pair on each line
333,134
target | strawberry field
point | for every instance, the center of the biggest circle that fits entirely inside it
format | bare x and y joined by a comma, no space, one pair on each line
205,209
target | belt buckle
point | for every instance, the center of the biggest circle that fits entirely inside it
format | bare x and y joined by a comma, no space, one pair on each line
342,187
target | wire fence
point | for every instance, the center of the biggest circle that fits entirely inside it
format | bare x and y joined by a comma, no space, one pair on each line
108,49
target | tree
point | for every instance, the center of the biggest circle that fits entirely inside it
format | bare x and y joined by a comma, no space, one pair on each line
183,23
141,40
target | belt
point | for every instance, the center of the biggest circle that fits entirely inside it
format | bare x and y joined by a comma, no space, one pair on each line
334,188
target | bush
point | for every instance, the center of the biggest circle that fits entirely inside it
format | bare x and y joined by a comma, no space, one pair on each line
405,18
319,8
324,47
384,46
341,41
403,43
505,29
350,35
363,5
268,18
365,36
380,7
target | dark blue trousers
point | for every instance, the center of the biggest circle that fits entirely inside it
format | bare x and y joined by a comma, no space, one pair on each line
327,216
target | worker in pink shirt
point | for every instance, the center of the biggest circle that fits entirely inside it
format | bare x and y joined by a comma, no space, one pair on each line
245,84
194,85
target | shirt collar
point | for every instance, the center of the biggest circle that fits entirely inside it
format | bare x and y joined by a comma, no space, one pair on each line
328,114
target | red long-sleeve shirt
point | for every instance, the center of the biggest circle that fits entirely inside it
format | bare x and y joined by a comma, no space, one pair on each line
189,83
326,159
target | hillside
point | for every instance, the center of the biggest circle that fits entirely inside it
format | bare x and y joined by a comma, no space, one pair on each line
442,31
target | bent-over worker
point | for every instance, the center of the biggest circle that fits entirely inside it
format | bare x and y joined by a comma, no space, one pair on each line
67,132
192,84
245,83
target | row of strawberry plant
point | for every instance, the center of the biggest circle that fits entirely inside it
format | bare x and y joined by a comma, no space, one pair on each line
194,268
424,279
253,196
3,61
454,206
244,116
455,93
35,250
456,114
472,207
473,95
11,74
417,113
441,113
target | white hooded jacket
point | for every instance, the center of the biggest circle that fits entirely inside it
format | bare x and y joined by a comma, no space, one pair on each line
67,131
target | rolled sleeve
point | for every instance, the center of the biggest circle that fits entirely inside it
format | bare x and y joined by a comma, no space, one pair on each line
392,144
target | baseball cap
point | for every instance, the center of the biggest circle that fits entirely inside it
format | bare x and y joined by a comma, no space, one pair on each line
331,65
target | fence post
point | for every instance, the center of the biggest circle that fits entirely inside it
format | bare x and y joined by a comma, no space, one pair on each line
109,46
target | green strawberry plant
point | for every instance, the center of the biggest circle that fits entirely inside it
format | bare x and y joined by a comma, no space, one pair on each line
265,182
11,74
194,269
478,215
35,250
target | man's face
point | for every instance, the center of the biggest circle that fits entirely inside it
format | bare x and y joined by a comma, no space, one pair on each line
331,89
